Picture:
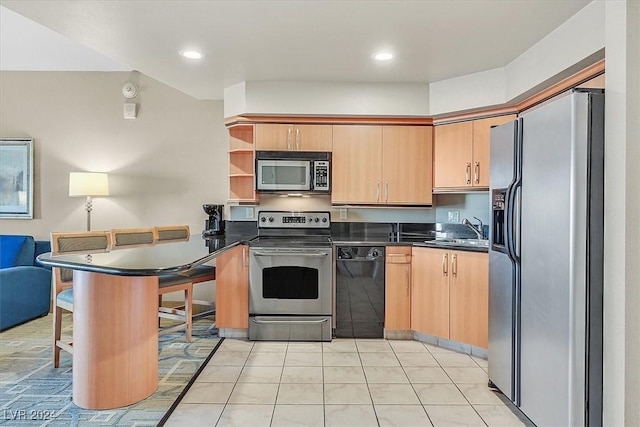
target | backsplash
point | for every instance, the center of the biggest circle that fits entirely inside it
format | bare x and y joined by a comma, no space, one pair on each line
466,205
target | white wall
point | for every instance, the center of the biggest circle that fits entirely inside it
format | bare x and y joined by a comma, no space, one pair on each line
476,90
322,98
162,166
622,228
555,56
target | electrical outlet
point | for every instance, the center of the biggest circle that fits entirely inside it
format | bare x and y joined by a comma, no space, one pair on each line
343,213
453,216
249,213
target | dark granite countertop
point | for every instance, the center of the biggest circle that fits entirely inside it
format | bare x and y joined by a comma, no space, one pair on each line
372,234
148,260
458,247
391,234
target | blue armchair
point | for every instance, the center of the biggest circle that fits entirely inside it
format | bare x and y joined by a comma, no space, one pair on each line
25,286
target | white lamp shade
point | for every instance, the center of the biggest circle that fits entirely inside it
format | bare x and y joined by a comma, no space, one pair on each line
82,184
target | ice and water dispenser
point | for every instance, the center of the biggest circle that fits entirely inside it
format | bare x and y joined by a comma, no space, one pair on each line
498,218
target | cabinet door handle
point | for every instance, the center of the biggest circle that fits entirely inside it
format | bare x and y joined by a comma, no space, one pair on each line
454,265
397,259
378,191
476,173
468,174
445,264
297,139
386,191
289,139
406,272
244,258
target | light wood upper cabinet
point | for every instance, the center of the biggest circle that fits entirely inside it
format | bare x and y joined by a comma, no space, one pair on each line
232,288
461,153
450,295
381,165
406,172
452,155
356,164
397,295
289,137
482,147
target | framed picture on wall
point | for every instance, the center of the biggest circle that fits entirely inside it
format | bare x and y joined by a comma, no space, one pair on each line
16,178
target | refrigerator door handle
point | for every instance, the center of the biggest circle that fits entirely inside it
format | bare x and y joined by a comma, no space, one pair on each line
511,196
514,238
512,221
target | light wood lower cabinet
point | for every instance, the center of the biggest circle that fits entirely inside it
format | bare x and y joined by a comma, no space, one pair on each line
450,295
232,288
469,298
397,304
430,292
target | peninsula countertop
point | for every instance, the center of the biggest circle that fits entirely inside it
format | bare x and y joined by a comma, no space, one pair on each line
146,260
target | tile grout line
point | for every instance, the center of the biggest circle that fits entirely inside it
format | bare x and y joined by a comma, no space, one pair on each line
234,386
412,386
324,402
366,381
458,388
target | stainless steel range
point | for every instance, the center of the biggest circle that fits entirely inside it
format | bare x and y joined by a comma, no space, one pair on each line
290,277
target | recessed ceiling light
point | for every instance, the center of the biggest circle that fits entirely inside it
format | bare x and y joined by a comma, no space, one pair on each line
383,56
191,54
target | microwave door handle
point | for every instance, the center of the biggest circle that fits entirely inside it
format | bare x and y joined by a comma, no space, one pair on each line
312,177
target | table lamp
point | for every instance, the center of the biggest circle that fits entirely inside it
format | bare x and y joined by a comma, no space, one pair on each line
88,184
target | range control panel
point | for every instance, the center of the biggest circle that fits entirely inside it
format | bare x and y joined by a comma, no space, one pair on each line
279,219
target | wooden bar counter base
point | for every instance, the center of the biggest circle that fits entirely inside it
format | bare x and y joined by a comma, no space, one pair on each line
115,339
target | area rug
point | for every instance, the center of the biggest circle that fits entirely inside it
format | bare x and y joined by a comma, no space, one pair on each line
33,393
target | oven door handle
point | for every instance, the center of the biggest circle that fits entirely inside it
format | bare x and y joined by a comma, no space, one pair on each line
303,254
290,322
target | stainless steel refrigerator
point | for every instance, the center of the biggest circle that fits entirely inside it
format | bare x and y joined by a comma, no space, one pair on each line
546,260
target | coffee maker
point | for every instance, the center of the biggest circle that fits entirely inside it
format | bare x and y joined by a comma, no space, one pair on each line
213,226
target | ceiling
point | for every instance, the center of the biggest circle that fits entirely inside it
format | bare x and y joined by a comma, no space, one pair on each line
302,40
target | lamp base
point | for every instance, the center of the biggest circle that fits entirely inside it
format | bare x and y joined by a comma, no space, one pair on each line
88,207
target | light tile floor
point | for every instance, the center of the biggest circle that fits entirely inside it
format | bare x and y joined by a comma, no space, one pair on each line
347,382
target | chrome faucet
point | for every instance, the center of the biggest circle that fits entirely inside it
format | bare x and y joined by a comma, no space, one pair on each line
468,223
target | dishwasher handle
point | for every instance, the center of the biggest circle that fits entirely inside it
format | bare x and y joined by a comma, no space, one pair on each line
290,322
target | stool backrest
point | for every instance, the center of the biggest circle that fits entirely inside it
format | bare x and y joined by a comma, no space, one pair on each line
172,233
129,237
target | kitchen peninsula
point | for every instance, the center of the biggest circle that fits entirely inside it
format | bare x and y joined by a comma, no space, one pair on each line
115,316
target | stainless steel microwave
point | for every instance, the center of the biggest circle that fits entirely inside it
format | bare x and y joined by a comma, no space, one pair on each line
298,171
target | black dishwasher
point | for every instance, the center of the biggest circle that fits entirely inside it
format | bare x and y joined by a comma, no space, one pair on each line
359,292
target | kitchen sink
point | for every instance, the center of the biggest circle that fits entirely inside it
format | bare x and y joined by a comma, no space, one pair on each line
479,243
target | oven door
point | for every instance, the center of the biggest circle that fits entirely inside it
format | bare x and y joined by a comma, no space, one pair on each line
290,281
283,175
